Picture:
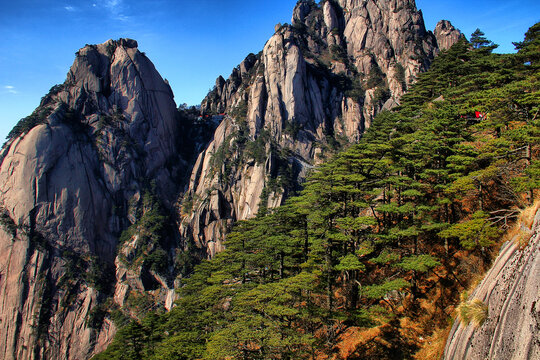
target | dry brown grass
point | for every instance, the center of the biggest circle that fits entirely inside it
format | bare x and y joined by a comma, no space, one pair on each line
475,311
355,337
522,238
521,232
433,345
527,215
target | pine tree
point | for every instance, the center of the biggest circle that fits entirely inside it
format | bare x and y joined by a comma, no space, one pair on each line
479,41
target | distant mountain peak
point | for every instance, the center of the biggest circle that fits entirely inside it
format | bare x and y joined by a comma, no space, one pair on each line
446,34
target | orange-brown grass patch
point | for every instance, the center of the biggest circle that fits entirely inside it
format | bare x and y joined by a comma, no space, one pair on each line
521,232
522,238
354,338
411,330
433,345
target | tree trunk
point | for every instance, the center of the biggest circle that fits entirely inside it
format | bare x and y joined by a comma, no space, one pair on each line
328,256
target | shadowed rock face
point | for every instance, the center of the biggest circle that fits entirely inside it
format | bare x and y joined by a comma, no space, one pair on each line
511,290
319,80
66,186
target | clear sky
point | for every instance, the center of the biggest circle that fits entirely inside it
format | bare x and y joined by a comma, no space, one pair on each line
190,42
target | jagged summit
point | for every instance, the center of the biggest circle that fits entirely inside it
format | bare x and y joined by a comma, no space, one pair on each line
446,34
320,80
108,46
72,177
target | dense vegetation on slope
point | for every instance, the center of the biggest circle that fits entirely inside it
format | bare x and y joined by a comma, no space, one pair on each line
373,254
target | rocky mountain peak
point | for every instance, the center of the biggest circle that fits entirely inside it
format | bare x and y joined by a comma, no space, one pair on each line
301,10
446,34
318,81
109,46
74,175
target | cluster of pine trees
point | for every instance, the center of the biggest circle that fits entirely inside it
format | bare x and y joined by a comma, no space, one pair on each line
381,235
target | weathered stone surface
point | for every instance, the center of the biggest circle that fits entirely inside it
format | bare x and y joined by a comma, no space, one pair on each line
446,34
67,185
324,77
387,33
511,290
301,10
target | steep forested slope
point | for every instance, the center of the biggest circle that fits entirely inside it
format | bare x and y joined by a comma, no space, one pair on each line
370,260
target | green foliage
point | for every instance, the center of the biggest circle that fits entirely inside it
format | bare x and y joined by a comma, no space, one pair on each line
350,262
528,48
95,317
257,149
135,341
400,75
239,112
339,53
292,128
228,156
158,261
7,222
118,317
475,311
151,230
381,290
385,257
185,260
99,274
476,232
421,263
478,40
376,77
39,116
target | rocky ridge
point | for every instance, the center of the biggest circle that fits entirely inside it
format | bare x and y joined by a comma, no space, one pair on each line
315,87
446,34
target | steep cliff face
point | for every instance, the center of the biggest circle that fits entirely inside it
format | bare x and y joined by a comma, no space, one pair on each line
511,292
316,86
72,177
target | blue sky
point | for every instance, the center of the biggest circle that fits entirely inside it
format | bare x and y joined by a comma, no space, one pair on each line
190,42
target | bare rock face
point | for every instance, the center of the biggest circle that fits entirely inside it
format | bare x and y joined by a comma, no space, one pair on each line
69,179
511,291
317,84
446,34
390,35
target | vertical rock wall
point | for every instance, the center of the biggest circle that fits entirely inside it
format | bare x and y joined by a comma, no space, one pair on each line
66,188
